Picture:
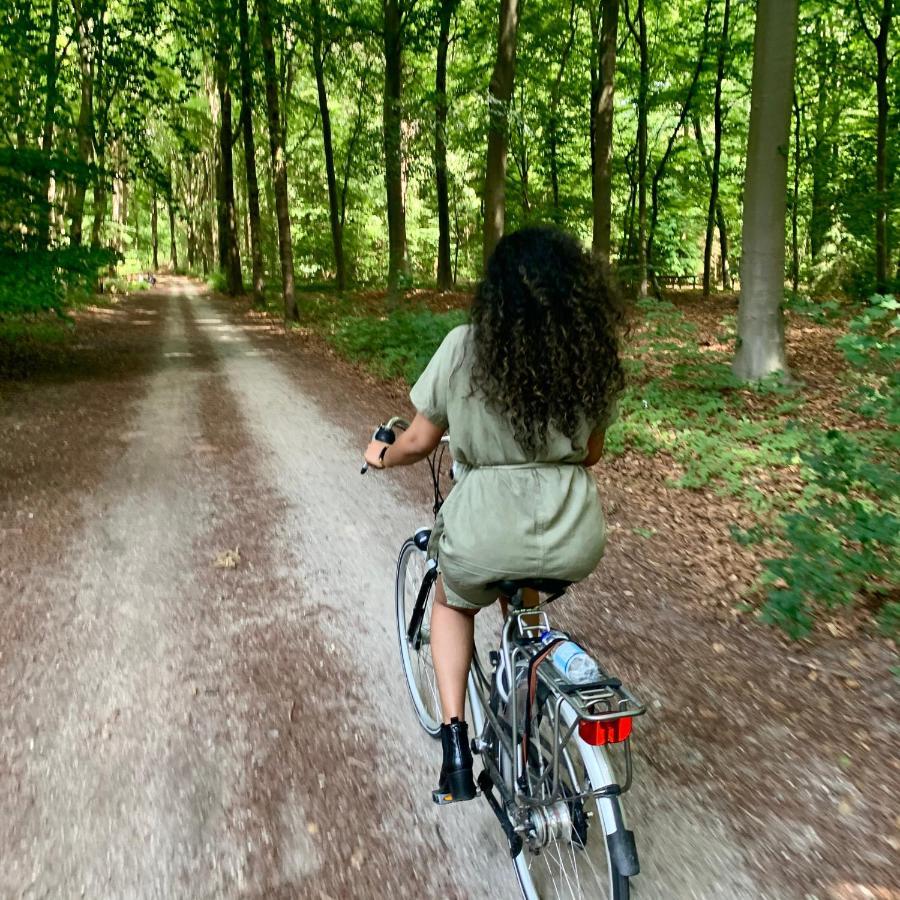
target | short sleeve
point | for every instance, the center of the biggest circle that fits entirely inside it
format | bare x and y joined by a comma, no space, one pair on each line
430,394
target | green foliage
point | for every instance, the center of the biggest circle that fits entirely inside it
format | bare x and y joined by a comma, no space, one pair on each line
847,537
43,281
845,540
397,345
872,349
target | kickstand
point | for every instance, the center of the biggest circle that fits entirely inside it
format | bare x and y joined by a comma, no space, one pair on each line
514,839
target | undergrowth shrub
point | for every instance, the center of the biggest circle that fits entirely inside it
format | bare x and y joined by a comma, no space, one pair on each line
845,541
34,281
397,345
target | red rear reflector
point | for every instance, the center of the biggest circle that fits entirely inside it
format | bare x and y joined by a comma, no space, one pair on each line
612,731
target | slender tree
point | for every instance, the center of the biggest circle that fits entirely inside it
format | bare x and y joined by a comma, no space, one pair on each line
154,230
279,163
84,16
392,34
318,52
555,100
660,170
51,92
638,28
229,251
714,208
499,97
761,350
256,256
444,270
719,212
879,40
602,95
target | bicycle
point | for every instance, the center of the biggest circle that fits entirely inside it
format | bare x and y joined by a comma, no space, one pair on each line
543,741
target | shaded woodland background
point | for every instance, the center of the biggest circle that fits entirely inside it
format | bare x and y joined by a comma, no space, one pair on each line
332,157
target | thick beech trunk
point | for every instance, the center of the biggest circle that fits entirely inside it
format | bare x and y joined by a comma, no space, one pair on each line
444,270
602,128
761,349
393,152
337,236
499,99
279,163
256,256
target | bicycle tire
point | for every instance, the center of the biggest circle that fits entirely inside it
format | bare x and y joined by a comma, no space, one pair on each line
617,886
417,667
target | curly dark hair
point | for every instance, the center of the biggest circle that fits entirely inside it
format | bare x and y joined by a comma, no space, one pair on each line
547,325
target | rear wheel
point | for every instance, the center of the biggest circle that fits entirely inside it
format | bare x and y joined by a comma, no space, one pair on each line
412,567
566,854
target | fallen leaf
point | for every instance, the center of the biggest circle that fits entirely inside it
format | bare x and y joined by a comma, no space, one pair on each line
228,559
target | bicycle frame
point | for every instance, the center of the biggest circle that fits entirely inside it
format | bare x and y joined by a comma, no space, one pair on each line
575,706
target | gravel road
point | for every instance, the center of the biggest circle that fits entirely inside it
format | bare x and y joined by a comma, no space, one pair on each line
176,726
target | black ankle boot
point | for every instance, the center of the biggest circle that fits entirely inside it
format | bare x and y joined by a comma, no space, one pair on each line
456,781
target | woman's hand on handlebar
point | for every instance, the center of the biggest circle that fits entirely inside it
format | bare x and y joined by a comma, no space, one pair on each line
410,446
375,454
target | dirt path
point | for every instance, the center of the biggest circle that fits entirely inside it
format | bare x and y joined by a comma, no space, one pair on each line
177,729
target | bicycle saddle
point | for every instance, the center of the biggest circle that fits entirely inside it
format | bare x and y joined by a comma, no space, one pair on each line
509,587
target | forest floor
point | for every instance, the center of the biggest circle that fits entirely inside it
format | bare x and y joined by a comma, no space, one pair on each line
198,661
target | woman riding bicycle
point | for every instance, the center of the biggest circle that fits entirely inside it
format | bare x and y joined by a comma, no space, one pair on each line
527,391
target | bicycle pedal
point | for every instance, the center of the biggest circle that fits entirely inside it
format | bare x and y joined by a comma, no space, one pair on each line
445,799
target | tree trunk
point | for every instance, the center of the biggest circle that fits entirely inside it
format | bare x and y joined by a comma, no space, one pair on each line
50,97
154,232
444,269
660,171
173,241
880,42
555,100
100,197
393,160
602,129
761,348
85,126
795,203
229,252
499,97
638,28
279,163
337,237
256,256
719,220
820,157
714,208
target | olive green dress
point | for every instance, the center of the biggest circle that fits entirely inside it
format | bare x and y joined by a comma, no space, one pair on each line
510,514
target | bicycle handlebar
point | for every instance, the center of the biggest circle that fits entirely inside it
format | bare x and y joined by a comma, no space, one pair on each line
386,434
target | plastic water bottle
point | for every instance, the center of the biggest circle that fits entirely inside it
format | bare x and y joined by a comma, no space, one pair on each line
571,660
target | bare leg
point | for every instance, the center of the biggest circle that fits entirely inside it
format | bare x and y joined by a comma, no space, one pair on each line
452,645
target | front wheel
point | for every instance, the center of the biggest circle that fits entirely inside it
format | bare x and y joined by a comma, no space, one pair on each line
412,571
567,854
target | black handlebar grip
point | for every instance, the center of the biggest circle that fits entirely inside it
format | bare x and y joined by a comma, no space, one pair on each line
385,435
